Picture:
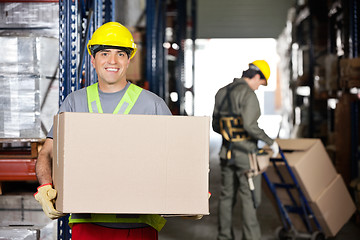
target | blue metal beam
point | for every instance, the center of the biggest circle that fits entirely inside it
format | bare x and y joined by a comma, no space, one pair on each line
150,48
180,59
109,10
353,28
68,48
75,64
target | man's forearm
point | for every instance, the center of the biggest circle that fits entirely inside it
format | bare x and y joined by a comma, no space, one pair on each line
43,172
215,124
43,163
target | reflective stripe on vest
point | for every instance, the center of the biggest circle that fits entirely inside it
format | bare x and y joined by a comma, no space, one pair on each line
155,221
124,106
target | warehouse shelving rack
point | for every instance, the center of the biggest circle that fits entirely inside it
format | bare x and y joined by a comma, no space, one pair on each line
165,71
335,25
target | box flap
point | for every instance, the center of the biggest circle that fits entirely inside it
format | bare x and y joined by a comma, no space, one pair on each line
310,163
58,152
301,144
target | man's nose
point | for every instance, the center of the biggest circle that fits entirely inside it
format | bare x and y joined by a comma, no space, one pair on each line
112,58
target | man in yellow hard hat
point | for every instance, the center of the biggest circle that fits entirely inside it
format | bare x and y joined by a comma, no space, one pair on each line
235,117
111,48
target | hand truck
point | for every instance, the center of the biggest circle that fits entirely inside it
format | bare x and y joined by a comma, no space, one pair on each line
300,207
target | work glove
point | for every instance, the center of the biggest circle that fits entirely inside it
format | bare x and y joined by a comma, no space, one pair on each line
275,149
46,195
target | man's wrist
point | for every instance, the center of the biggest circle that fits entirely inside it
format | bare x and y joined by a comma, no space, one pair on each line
42,185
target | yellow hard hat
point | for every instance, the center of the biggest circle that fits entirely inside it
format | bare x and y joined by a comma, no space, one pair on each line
113,34
263,67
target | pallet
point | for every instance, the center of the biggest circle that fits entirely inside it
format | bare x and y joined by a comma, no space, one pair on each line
18,159
20,148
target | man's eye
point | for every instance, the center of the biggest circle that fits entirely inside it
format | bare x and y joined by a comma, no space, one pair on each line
121,54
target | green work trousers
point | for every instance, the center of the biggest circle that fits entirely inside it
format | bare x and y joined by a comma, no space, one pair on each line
234,181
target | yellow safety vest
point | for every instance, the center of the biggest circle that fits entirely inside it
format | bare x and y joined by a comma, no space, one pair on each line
153,220
126,103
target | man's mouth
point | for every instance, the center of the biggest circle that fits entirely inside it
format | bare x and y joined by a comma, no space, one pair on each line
112,69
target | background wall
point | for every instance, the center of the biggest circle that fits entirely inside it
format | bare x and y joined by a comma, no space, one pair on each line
242,18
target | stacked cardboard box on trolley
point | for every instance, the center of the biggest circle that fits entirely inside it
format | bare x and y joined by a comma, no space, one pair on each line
322,186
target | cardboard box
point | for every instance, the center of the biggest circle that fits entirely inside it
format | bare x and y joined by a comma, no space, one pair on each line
334,207
106,163
135,70
322,187
310,164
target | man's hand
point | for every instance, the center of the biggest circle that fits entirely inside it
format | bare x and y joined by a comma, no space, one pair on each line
193,217
275,148
46,195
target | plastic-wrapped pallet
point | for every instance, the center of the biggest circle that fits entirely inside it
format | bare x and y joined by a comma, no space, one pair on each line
19,84
28,69
29,17
20,108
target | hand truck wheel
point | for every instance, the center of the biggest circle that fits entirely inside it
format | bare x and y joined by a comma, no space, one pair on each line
282,234
318,236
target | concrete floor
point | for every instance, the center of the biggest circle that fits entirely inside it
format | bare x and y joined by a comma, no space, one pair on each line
22,218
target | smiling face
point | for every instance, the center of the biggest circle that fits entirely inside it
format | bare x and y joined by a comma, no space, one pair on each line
111,66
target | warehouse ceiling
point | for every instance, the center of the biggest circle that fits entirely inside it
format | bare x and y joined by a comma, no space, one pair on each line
222,18
242,18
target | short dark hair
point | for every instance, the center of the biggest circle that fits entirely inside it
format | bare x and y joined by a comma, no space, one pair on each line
96,48
252,71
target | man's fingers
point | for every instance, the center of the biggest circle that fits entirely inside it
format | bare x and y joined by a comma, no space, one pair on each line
52,194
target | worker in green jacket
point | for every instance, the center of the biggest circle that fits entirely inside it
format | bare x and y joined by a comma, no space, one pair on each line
235,117
111,48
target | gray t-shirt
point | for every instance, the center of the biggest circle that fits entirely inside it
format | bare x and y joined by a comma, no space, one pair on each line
148,103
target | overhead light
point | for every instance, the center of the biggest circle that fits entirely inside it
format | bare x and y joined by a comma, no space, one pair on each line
303,91
174,96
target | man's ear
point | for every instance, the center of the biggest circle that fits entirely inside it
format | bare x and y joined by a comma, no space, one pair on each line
93,61
256,77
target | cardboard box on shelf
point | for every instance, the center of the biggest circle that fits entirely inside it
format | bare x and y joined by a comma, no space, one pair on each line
135,69
310,164
350,72
106,163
